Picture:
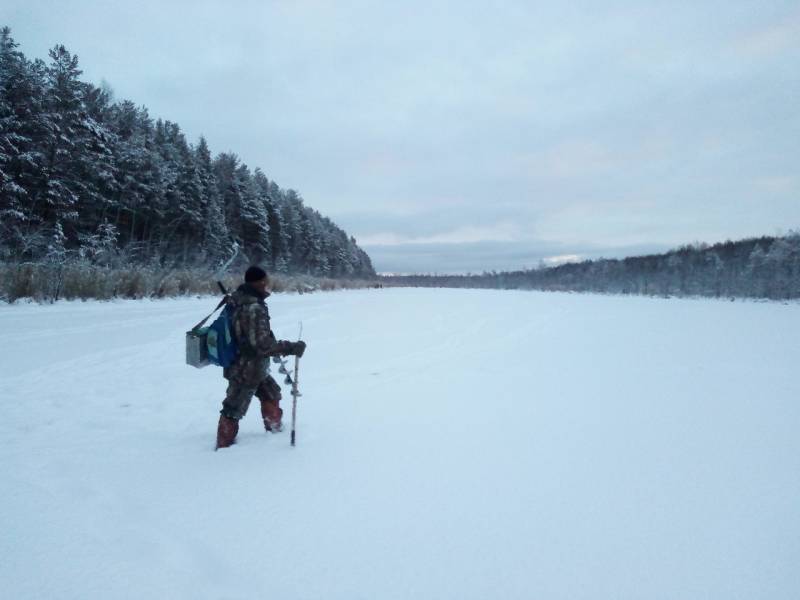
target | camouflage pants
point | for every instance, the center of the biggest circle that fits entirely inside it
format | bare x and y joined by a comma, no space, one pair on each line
238,396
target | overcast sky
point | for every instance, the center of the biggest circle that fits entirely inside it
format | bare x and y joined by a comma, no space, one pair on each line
460,136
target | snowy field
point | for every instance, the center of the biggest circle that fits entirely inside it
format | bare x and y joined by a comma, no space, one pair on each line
452,444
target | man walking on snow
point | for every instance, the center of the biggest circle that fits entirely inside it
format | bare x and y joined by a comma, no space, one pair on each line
249,374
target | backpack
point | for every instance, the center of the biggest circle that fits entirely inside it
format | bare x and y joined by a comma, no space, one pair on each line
220,339
215,344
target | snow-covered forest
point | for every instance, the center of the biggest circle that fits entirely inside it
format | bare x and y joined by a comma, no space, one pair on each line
767,267
90,180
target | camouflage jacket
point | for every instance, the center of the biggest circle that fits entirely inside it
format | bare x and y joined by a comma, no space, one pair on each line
254,337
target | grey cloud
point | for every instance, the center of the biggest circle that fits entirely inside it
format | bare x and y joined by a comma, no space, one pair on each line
489,256
598,124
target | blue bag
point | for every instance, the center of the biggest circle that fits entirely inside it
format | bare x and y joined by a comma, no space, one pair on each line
220,341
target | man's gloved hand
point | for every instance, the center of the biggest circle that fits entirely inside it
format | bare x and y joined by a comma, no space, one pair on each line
287,348
298,348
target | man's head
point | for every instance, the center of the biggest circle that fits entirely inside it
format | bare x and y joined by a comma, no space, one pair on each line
257,277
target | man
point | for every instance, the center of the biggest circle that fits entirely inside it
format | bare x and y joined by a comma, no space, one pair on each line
249,374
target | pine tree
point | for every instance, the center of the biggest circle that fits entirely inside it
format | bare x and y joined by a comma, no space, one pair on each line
253,218
266,192
12,210
56,259
63,184
281,230
292,211
181,225
216,239
137,173
100,246
23,124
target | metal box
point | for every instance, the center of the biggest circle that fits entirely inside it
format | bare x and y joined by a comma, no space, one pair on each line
196,348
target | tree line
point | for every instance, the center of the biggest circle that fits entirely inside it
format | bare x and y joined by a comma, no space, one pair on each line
87,178
765,267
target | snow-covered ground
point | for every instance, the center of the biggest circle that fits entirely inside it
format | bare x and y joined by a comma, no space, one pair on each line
452,444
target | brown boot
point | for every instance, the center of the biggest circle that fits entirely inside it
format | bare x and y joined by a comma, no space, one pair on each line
226,432
271,413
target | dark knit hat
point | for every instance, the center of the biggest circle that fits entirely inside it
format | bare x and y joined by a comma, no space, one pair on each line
254,274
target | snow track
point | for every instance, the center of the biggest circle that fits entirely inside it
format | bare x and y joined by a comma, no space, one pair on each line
451,444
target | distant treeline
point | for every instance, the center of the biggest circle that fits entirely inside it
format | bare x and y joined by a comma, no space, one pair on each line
84,179
767,267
